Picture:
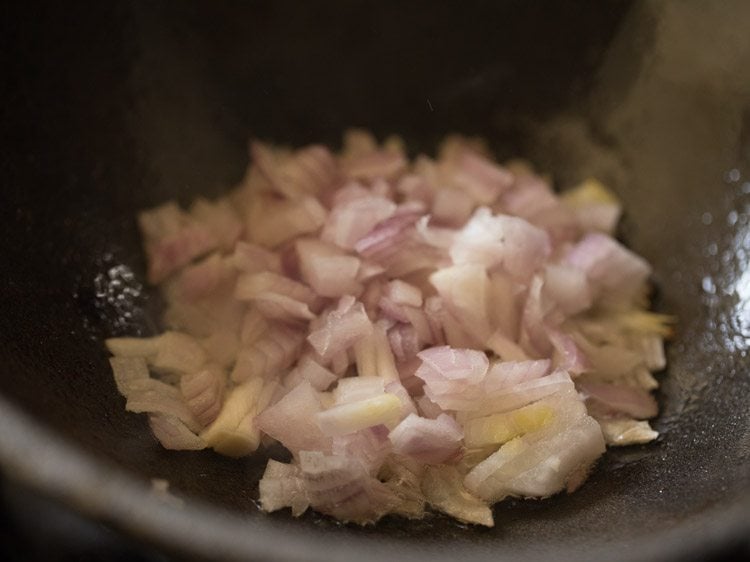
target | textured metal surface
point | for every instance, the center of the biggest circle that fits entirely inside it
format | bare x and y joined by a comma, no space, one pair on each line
121,106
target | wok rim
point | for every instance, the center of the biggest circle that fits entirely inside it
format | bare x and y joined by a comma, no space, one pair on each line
34,456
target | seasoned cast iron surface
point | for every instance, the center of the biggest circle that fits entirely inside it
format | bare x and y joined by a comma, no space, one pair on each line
115,108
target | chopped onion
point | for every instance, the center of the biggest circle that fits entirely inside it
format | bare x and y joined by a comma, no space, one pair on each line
446,331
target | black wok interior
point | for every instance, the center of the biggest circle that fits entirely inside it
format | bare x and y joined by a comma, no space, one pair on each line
114,107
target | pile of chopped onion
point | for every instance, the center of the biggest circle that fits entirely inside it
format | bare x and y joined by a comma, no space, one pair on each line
442,333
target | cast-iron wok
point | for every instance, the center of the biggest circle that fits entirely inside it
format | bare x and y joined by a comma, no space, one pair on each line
108,108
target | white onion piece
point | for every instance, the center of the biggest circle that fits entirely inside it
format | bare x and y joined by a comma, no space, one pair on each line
505,301
505,348
309,170
382,241
511,243
127,370
308,369
205,277
132,347
268,355
329,271
353,416
567,287
534,329
483,180
653,352
434,236
271,222
351,219
281,307
567,355
152,396
291,420
403,293
503,374
612,269
173,434
540,463
567,455
404,342
402,476
607,361
341,487
220,219
343,327
252,285
445,491
178,353
381,164
254,326
451,207
465,293
222,347
282,486
634,402
353,389
171,352
370,446
431,441
233,432
529,197
251,258
203,392
625,431
415,188
427,408
439,363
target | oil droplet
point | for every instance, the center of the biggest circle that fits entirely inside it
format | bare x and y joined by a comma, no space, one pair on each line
708,285
732,176
707,219
732,218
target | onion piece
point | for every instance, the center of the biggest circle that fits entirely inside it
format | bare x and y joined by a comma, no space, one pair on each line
282,486
626,431
351,219
341,487
343,327
510,243
203,393
308,369
431,441
220,219
230,434
440,363
271,222
252,285
613,271
267,356
291,421
634,402
251,258
444,490
353,416
369,446
329,271
173,434
464,290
